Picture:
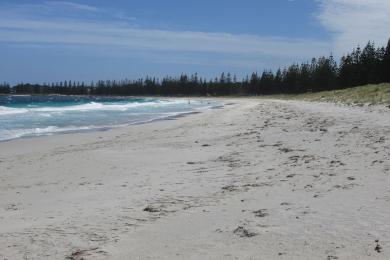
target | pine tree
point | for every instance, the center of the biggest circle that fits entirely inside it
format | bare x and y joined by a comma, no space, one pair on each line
346,71
386,63
305,77
253,84
369,64
278,81
222,79
229,78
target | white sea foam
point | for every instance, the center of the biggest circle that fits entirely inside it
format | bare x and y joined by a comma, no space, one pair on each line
11,110
92,106
108,107
17,133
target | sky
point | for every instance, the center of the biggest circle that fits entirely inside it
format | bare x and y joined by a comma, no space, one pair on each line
83,40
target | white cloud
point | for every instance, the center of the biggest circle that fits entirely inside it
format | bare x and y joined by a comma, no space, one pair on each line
76,6
115,34
60,29
356,22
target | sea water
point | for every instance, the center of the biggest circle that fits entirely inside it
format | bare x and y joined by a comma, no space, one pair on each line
26,116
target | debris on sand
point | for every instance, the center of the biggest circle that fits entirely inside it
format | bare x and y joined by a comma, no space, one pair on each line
80,254
230,188
151,209
243,232
378,247
286,150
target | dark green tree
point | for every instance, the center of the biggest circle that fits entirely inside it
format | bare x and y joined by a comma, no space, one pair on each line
386,63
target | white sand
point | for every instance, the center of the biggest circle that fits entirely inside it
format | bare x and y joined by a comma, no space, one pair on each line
254,180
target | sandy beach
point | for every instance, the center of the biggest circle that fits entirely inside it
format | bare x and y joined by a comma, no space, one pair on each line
256,179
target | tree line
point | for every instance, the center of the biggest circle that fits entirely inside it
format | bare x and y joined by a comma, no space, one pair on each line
368,65
5,88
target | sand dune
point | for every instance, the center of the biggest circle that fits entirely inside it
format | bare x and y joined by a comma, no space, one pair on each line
257,179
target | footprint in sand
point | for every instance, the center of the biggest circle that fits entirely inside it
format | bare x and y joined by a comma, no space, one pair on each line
261,213
336,163
11,207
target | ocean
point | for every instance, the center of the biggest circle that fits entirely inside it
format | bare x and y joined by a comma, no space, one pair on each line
27,116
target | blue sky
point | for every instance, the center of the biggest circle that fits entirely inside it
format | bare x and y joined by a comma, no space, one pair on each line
83,40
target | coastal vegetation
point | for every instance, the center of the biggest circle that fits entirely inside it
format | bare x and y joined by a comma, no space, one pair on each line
367,94
363,66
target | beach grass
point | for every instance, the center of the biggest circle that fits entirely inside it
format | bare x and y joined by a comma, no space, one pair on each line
362,95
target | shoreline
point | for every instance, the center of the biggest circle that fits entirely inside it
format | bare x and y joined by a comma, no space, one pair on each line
256,179
93,128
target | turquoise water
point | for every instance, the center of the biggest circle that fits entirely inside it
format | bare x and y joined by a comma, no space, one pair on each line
24,116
